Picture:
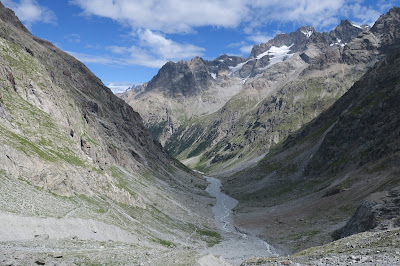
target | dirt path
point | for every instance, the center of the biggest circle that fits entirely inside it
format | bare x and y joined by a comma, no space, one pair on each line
235,246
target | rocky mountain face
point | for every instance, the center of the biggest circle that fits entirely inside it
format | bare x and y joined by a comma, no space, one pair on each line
346,31
182,78
347,156
78,168
181,92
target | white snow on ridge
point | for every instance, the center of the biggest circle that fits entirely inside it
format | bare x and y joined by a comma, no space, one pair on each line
308,33
354,25
213,75
239,66
276,55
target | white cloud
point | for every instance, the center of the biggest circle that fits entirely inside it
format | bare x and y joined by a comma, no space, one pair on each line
319,13
384,5
361,14
260,38
150,20
73,37
120,86
168,16
246,49
86,58
152,50
29,12
176,16
166,48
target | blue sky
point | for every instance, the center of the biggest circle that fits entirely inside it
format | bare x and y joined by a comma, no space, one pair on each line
126,41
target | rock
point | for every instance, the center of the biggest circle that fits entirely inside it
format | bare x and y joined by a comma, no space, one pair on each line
182,78
40,262
8,262
382,213
57,255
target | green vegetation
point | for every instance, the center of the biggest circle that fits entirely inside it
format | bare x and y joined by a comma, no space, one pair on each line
165,243
201,186
122,182
209,233
88,138
157,129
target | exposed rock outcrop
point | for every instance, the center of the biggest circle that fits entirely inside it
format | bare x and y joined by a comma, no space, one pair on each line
382,213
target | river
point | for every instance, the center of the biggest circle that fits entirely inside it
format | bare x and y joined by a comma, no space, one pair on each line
235,246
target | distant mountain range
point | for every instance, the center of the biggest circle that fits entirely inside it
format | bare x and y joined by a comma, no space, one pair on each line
226,113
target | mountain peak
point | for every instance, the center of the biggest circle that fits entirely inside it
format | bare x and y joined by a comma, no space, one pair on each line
8,16
345,32
386,28
307,30
182,78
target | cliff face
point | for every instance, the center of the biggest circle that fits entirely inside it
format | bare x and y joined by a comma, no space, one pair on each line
73,155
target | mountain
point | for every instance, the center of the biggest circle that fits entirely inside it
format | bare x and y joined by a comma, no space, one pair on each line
346,31
80,174
225,114
341,164
304,76
184,91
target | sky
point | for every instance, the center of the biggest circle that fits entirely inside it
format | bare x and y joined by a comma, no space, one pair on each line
126,42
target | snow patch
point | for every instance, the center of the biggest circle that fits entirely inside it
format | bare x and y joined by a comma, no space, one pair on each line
239,66
308,33
338,43
213,75
276,55
354,25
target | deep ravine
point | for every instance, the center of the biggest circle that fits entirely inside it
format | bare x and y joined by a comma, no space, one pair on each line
235,246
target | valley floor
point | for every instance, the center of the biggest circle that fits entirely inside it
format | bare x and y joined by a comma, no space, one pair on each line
236,246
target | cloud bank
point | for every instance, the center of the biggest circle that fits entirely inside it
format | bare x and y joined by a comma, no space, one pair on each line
150,20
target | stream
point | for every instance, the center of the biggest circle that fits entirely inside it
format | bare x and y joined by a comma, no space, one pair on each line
235,246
